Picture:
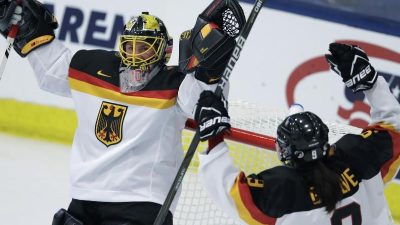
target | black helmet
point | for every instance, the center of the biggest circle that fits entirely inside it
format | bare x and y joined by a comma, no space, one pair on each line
151,31
145,47
301,138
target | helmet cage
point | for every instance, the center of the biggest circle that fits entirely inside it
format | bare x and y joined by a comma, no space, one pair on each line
284,152
145,51
145,33
145,47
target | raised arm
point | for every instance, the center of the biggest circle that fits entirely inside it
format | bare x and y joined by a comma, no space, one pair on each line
50,64
352,64
378,147
36,39
204,50
216,171
225,184
384,106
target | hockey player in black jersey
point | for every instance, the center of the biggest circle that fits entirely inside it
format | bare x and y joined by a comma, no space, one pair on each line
131,107
319,183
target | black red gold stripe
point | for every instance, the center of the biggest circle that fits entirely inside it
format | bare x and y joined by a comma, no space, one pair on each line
83,82
248,211
390,168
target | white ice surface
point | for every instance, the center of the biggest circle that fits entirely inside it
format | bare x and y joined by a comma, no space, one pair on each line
34,180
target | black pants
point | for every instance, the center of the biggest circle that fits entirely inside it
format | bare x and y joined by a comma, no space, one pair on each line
116,213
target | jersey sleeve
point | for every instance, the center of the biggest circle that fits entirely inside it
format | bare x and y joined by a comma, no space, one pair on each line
377,149
254,199
229,188
217,173
385,114
385,108
189,93
50,64
365,153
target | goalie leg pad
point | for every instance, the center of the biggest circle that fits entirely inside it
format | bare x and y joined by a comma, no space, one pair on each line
62,217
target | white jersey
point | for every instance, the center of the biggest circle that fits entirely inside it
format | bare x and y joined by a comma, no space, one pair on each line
127,147
279,196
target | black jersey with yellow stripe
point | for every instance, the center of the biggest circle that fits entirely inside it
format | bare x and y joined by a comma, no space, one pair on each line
376,149
282,190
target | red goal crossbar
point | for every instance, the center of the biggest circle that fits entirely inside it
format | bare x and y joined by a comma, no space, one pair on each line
243,136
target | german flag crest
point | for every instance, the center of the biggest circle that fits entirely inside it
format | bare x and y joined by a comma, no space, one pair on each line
109,123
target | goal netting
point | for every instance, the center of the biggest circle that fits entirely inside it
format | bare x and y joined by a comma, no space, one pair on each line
251,147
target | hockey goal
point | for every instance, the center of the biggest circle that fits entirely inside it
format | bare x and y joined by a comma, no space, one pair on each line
251,146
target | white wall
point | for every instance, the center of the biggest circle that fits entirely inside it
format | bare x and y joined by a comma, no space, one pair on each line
278,43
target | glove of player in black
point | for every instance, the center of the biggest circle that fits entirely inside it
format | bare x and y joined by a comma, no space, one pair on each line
352,64
211,115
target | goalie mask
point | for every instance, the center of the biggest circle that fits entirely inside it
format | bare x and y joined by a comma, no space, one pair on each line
145,47
301,138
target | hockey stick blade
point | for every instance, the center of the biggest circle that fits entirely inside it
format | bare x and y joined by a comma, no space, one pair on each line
218,91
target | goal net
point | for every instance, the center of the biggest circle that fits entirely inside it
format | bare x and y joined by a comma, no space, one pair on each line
251,146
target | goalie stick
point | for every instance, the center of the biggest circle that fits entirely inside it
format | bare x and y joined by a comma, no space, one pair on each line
10,40
218,91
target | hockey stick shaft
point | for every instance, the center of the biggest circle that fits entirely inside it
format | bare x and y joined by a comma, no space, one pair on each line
10,41
218,91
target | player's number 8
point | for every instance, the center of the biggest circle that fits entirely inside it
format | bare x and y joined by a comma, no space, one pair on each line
352,209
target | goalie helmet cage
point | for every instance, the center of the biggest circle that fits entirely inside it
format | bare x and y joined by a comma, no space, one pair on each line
251,146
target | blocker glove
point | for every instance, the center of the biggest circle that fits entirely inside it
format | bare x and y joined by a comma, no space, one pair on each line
8,14
211,115
36,25
352,64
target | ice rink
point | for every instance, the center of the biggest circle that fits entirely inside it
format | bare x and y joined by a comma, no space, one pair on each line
34,180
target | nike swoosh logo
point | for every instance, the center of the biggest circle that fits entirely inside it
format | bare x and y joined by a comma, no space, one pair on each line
214,79
100,73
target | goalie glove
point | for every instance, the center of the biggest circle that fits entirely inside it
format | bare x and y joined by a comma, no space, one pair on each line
10,13
207,47
211,115
352,64
36,27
